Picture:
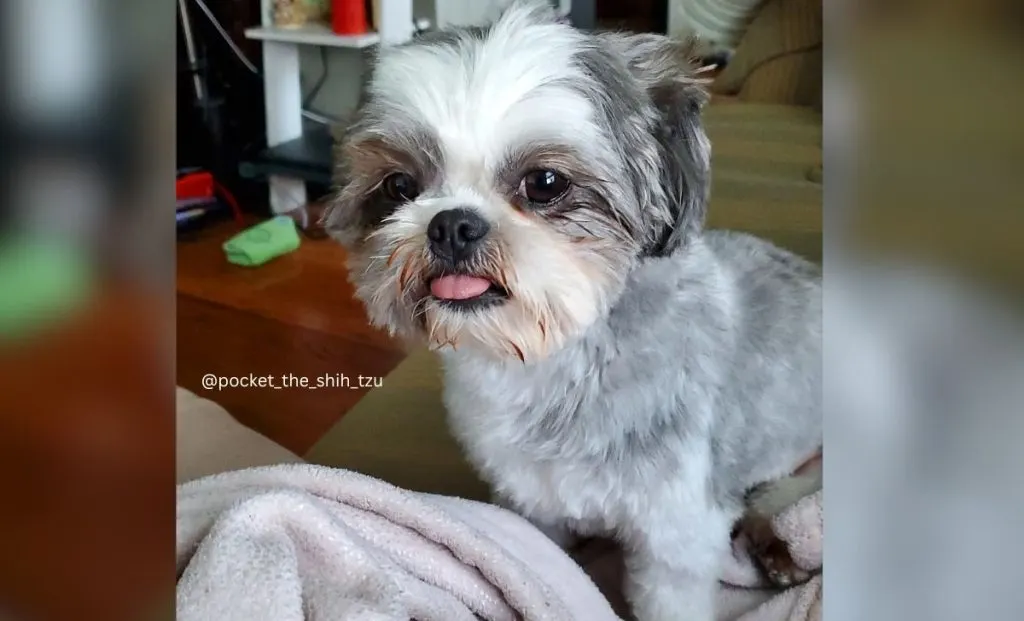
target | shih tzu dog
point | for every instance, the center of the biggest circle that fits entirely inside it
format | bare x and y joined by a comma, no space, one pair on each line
529,199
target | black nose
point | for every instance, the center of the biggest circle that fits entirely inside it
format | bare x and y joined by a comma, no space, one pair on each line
455,233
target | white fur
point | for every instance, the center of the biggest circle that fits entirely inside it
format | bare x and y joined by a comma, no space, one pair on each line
512,91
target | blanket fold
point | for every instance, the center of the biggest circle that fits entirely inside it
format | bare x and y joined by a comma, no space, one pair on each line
300,542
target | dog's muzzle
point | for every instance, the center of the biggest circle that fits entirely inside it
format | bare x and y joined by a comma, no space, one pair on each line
462,282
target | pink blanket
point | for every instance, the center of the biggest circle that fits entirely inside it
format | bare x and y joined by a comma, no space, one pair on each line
296,542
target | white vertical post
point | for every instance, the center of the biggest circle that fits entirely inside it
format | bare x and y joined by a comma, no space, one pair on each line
282,92
396,25
266,13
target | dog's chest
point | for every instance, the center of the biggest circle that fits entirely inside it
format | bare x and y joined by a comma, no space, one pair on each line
557,491
543,443
585,494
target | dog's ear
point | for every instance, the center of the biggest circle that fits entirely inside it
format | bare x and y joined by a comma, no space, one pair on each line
666,69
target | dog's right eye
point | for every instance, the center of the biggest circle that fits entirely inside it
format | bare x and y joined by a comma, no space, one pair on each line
401,187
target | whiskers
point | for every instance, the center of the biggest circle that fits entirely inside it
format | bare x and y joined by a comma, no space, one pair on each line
419,310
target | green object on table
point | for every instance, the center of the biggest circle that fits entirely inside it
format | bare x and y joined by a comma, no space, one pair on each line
41,282
263,242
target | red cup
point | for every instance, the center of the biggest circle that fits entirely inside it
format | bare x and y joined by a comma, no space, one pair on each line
348,17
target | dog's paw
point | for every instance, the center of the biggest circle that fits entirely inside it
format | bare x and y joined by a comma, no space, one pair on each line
771,555
778,566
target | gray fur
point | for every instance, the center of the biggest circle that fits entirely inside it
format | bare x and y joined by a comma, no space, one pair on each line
708,362
719,340
645,89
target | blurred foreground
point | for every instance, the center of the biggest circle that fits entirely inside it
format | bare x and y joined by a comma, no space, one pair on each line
86,313
924,343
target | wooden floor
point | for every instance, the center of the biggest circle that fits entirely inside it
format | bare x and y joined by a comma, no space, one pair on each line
295,315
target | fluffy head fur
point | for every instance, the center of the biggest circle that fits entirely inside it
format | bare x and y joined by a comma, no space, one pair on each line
466,114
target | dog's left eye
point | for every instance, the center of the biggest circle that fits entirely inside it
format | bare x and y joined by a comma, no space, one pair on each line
543,186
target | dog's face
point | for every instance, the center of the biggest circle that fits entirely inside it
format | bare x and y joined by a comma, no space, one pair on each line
499,184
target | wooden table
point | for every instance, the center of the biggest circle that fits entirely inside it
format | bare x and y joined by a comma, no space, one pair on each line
295,315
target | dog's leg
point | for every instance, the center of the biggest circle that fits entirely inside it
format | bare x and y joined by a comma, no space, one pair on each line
557,531
673,559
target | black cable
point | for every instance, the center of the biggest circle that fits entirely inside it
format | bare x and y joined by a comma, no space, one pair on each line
226,37
308,101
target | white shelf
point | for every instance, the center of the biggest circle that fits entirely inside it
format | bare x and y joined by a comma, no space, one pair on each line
312,34
282,92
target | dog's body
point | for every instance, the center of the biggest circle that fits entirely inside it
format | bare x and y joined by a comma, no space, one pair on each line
529,199
702,382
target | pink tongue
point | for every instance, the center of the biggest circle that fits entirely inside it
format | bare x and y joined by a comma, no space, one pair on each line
458,287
